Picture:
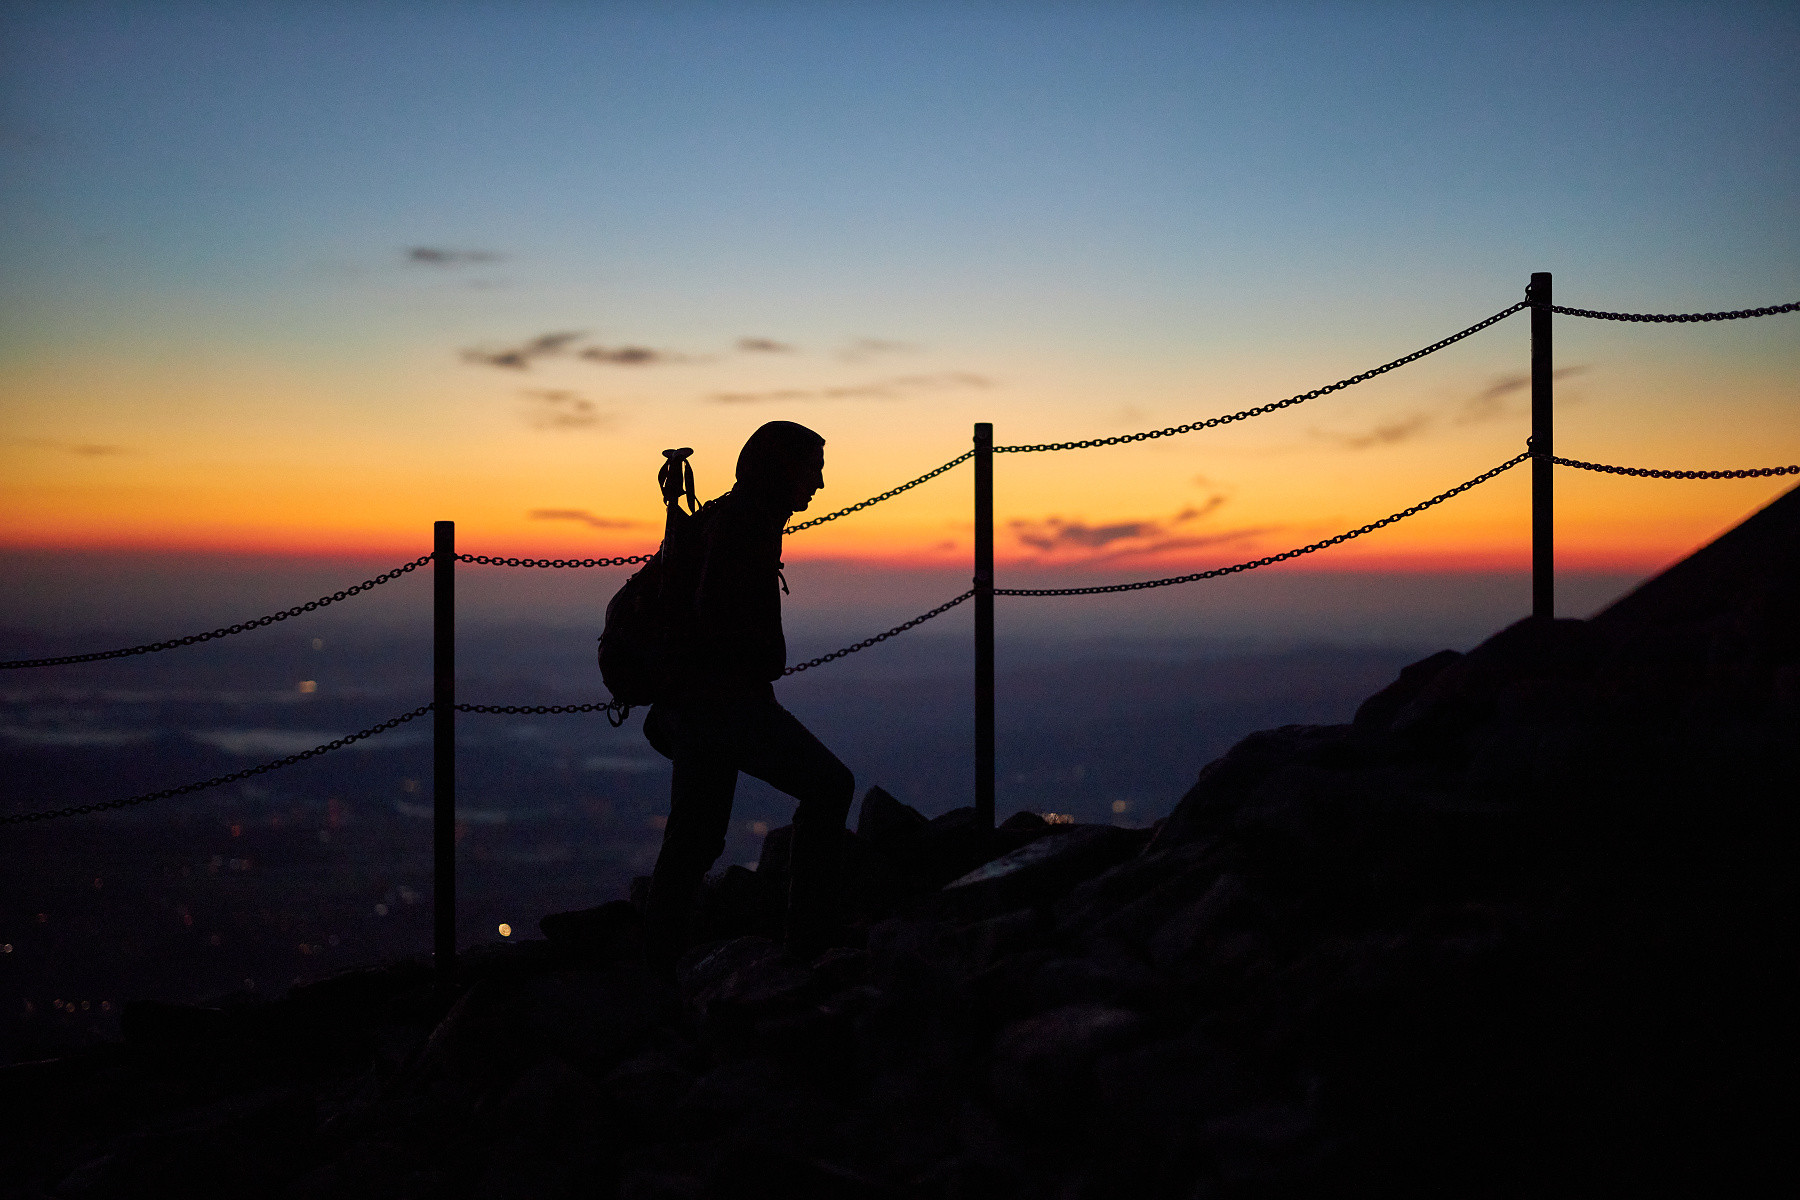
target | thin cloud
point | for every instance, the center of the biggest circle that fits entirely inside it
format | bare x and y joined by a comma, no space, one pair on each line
1224,538
863,349
443,256
1490,401
763,345
896,388
81,449
582,515
519,358
630,356
1055,535
558,409
1390,434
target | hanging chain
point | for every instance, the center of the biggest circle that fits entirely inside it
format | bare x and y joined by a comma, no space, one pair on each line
1460,488
224,631
1676,318
187,788
616,711
487,560
887,495
945,607
1647,473
1264,409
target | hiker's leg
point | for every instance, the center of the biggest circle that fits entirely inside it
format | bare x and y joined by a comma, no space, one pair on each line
771,744
700,796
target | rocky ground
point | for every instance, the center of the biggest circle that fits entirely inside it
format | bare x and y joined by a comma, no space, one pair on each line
1519,929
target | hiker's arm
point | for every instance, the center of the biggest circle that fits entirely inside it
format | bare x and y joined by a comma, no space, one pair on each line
737,606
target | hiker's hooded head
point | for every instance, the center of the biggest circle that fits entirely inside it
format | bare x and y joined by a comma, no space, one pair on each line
783,463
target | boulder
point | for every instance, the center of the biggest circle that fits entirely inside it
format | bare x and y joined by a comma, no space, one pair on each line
609,933
883,820
1038,873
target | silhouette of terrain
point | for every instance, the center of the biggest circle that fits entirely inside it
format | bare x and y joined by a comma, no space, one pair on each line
1516,929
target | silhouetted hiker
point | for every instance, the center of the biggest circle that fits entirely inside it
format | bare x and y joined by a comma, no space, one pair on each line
721,716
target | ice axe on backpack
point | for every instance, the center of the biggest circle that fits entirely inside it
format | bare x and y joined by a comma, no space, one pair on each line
646,618
677,477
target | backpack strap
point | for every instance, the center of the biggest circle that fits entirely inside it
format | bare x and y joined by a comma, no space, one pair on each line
676,478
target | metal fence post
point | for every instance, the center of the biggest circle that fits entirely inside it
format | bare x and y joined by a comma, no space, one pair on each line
1543,445
443,753
984,625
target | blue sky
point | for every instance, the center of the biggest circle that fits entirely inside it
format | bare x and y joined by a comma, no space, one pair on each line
811,157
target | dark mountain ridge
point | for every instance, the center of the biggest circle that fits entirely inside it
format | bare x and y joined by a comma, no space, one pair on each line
1516,929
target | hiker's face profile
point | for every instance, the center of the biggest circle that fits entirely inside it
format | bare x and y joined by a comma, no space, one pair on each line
807,477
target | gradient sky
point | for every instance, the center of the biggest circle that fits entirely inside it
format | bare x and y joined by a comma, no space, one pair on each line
286,277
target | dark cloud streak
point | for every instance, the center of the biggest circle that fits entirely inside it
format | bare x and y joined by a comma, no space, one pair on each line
886,389
1490,402
441,256
582,515
80,449
519,358
1053,534
558,409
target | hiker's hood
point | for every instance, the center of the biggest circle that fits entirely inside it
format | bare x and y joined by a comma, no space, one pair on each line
769,458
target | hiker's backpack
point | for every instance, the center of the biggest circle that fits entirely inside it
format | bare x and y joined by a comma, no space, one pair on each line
648,620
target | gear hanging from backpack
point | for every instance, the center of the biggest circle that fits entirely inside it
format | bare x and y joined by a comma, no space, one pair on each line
649,618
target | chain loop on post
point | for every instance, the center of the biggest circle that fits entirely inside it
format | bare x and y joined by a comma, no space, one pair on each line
1371,527
226,630
1264,409
188,788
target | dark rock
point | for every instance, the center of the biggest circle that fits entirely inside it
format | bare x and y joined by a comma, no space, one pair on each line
609,933
1464,692
1042,1071
729,1093
591,1018
739,902
1040,872
732,985
1225,783
841,967
549,1136
883,820
953,844
1380,709
1060,982
643,1091
156,1023
1025,821
1181,940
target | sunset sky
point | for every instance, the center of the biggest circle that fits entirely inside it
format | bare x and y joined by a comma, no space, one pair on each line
303,278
